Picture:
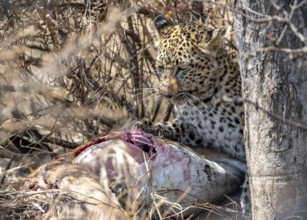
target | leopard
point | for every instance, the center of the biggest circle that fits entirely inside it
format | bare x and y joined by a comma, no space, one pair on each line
198,74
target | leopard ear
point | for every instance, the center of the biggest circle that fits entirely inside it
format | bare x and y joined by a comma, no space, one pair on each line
214,42
161,23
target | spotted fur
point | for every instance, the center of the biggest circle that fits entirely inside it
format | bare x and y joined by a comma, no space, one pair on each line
196,72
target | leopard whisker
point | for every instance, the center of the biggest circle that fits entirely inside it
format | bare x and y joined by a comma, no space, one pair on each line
153,91
190,99
148,88
193,97
191,103
150,97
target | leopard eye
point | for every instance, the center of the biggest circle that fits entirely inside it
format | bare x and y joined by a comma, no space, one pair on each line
182,66
180,69
160,70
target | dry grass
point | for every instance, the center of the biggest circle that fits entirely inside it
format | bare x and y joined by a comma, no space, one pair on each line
74,70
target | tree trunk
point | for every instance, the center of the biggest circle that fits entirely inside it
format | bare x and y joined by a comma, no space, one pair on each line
275,94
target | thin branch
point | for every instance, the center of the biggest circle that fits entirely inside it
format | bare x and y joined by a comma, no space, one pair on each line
293,53
269,113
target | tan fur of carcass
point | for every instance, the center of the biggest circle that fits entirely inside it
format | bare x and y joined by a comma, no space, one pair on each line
78,193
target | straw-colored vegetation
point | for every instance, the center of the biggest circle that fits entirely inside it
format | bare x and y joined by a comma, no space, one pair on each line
71,71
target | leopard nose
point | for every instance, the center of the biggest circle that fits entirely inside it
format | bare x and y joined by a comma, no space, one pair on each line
169,88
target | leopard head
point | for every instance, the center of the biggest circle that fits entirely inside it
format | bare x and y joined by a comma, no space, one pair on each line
187,59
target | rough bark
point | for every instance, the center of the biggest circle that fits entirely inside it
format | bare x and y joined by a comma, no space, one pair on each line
276,141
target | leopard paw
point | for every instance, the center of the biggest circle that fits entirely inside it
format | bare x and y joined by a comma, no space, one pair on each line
145,125
163,130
